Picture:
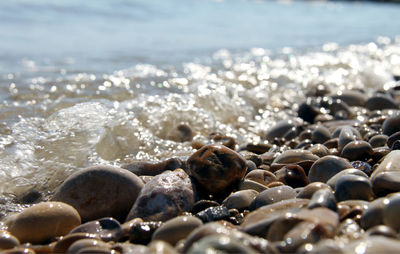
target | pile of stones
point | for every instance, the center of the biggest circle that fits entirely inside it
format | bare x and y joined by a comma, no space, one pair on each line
327,182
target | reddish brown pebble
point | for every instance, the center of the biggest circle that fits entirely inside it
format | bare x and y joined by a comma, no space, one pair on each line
216,168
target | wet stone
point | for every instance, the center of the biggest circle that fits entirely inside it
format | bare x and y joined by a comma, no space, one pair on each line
357,150
393,138
62,245
202,205
386,182
320,135
352,187
80,245
142,232
7,240
219,244
43,221
161,247
280,130
323,198
108,229
128,248
381,230
292,175
252,185
391,213
217,168
176,229
373,244
363,166
391,125
118,192
380,140
293,156
273,195
319,150
141,168
309,190
213,214
379,102
261,176
307,111
352,98
18,250
389,164
240,200
350,171
167,195
323,169
346,135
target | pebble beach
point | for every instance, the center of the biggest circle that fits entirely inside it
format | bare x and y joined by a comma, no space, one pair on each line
266,149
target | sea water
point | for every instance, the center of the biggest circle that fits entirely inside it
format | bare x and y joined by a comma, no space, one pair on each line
109,82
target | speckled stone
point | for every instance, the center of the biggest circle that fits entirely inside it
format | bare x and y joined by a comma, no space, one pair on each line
240,200
118,192
164,197
273,195
43,221
176,229
7,240
323,169
217,168
352,187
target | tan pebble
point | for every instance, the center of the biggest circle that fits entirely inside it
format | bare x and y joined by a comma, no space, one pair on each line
7,240
118,192
240,200
275,184
319,150
323,169
261,176
62,245
389,164
176,229
79,245
252,185
273,195
217,168
295,155
43,221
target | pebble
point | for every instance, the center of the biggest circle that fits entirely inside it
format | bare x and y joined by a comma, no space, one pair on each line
141,233
118,192
346,135
128,248
141,168
65,242
217,168
319,150
161,247
280,130
108,229
389,164
309,190
379,102
323,198
214,213
252,185
380,140
386,182
219,244
391,125
372,245
350,171
7,240
295,155
166,196
320,135
307,111
357,150
80,245
17,250
176,229
381,230
391,212
292,175
273,195
43,221
353,187
326,167
352,98
240,200
261,176
202,205
392,139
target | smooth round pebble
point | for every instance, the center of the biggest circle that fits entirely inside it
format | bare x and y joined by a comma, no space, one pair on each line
176,229
379,140
82,244
252,185
352,187
292,175
261,176
7,240
350,171
381,230
391,213
240,200
391,125
379,102
161,247
118,192
273,195
373,245
65,242
295,155
373,215
43,221
389,164
320,135
323,198
357,150
20,250
319,150
219,244
309,190
280,130
324,168
217,168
